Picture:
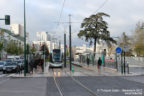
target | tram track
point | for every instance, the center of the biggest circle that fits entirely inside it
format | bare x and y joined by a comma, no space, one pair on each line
57,84
77,84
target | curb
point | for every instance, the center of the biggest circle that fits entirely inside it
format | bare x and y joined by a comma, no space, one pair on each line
112,69
77,65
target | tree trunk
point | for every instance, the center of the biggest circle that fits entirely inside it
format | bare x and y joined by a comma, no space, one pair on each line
95,47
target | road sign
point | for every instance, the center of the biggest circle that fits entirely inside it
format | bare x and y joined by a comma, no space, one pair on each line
118,50
126,48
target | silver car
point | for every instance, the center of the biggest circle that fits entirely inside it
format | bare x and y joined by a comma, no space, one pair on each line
10,67
20,63
2,63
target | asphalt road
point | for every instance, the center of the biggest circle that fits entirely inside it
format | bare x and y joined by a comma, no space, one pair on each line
111,85
23,87
101,85
1,73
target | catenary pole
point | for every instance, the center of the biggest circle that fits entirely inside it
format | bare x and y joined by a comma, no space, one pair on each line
24,40
70,41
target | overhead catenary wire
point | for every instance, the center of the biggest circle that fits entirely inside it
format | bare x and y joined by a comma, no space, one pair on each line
61,11
59,19
101,6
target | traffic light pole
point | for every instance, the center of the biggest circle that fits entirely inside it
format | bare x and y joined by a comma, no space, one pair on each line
124,64
70,41
65,50
24,40
7,19
44,58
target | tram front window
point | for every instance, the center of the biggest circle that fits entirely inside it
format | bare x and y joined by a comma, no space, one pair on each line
56,55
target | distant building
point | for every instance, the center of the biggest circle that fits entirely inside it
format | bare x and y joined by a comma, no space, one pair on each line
44,36
15,28
51,42
18,29
78,50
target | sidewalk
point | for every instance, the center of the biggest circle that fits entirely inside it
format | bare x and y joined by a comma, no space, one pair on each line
106,71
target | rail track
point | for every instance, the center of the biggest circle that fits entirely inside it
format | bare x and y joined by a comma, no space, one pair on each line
77,83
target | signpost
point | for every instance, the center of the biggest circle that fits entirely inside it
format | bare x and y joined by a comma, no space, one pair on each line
126,49
118,52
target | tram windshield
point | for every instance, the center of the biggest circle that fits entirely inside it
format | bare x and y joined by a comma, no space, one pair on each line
56,55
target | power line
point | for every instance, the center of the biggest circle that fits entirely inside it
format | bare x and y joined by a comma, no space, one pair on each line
61,11
58,23
102,5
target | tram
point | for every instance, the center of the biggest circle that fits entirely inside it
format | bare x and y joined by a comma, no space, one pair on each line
56,59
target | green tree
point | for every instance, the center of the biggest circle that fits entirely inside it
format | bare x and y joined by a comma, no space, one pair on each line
95,29
1,46
126,41
33,50
138,38
1,39
44,46
13,48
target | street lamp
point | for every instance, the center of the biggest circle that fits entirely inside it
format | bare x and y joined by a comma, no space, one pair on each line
64,48
24,40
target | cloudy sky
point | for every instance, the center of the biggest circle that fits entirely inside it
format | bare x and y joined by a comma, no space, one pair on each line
42,15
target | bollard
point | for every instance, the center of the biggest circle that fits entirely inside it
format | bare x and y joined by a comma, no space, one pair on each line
127,68
121,69
73,68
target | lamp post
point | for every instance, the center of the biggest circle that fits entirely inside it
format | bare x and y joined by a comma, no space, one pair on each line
70,41
65,49
24,40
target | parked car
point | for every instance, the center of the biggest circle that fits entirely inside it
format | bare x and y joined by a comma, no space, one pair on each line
17,58
8,60
20,63
2,63
10,67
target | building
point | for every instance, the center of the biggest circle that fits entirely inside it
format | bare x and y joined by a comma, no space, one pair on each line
44,36
78,50
48,39
18,29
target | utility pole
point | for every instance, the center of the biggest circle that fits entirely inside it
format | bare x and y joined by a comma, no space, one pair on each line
24,40
64,49
70,41
43,47
59,44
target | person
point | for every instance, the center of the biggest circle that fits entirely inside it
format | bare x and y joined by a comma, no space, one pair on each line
41,63
99,64
18,69
87,61
31,66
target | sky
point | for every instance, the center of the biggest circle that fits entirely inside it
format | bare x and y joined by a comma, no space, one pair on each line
43,15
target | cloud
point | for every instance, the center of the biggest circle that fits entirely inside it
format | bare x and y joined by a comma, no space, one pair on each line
42,15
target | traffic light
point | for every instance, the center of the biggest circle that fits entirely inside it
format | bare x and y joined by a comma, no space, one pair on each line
105,52
7,19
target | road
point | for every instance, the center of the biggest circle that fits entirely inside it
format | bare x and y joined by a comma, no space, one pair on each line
1,73
45,86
